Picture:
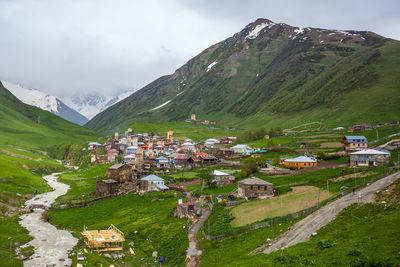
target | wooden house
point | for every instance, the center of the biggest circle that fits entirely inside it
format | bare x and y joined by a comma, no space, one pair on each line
111,239
354,142
255,187
120,173
225,153
300,162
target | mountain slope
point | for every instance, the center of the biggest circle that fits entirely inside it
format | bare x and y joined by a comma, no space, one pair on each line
46,102
274,74
31,127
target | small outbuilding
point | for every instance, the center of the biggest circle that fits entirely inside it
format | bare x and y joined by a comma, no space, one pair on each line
108,186
111,239
255,187
184,210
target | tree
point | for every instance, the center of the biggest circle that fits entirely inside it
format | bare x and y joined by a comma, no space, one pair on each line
277,159
250,166
321,154
206,176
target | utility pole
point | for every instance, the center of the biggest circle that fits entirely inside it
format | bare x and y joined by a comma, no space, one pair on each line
281,202
377,135
319,191
327,186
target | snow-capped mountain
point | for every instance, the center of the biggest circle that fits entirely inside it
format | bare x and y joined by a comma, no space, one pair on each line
46,102
91,104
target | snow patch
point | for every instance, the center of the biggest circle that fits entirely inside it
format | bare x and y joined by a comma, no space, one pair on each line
33,97
257,29
165,103
299,31
211,65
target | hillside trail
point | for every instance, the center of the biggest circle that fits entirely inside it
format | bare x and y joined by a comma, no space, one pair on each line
51,245
303,230
194,251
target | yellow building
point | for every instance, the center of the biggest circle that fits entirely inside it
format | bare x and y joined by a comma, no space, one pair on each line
111,239
300,162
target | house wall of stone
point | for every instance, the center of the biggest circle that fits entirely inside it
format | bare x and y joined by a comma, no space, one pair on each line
256,190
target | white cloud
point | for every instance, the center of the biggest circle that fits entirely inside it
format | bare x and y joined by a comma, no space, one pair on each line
67,46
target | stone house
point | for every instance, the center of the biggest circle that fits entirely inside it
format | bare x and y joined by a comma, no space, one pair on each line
184,210
369,158
152,183
222,178
120,173
255,187
108,186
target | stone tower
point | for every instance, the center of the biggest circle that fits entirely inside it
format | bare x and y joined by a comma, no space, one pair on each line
193,117
170,137
139,159
116,136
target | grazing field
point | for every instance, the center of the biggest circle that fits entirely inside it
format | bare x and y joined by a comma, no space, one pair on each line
82,182
184,130
21,175
302,197
150,215
361,235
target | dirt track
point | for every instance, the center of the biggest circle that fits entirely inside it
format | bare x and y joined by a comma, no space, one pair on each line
302,230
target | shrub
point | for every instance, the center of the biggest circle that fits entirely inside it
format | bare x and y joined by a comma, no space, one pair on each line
326,243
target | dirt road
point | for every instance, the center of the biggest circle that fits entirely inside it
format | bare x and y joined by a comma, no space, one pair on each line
302,230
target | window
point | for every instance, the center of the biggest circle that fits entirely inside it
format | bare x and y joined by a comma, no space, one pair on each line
259,187
251,187
265,187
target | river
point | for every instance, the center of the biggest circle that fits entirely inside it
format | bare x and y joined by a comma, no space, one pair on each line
51,245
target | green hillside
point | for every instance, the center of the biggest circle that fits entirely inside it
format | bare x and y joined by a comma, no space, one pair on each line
284,76
30,127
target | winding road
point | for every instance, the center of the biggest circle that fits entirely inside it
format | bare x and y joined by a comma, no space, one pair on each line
302,230
51,245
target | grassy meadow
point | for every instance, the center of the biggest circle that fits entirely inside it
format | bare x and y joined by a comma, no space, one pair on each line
361,235
150,215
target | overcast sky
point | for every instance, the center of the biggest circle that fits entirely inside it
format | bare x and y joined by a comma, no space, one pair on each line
68,46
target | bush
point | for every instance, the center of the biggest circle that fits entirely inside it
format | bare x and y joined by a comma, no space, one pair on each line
326,243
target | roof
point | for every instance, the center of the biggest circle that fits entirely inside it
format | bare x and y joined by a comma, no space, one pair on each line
129,156
162,186
186,204
152,177
94,143
240,146
354,138
201,153
216,172
187,144
162,158
383,150
116,166
369,152
132,147
301,159
113,150
254,181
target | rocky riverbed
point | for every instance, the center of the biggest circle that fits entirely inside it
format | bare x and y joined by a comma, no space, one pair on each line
51,245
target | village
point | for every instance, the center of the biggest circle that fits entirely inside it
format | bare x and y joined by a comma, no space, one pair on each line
139,161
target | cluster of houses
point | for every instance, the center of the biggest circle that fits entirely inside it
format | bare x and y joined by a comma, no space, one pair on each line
361,155
196,121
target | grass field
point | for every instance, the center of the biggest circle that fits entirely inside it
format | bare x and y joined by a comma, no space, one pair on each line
184,130
149,215
21,176
82,182
361,235
302,197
